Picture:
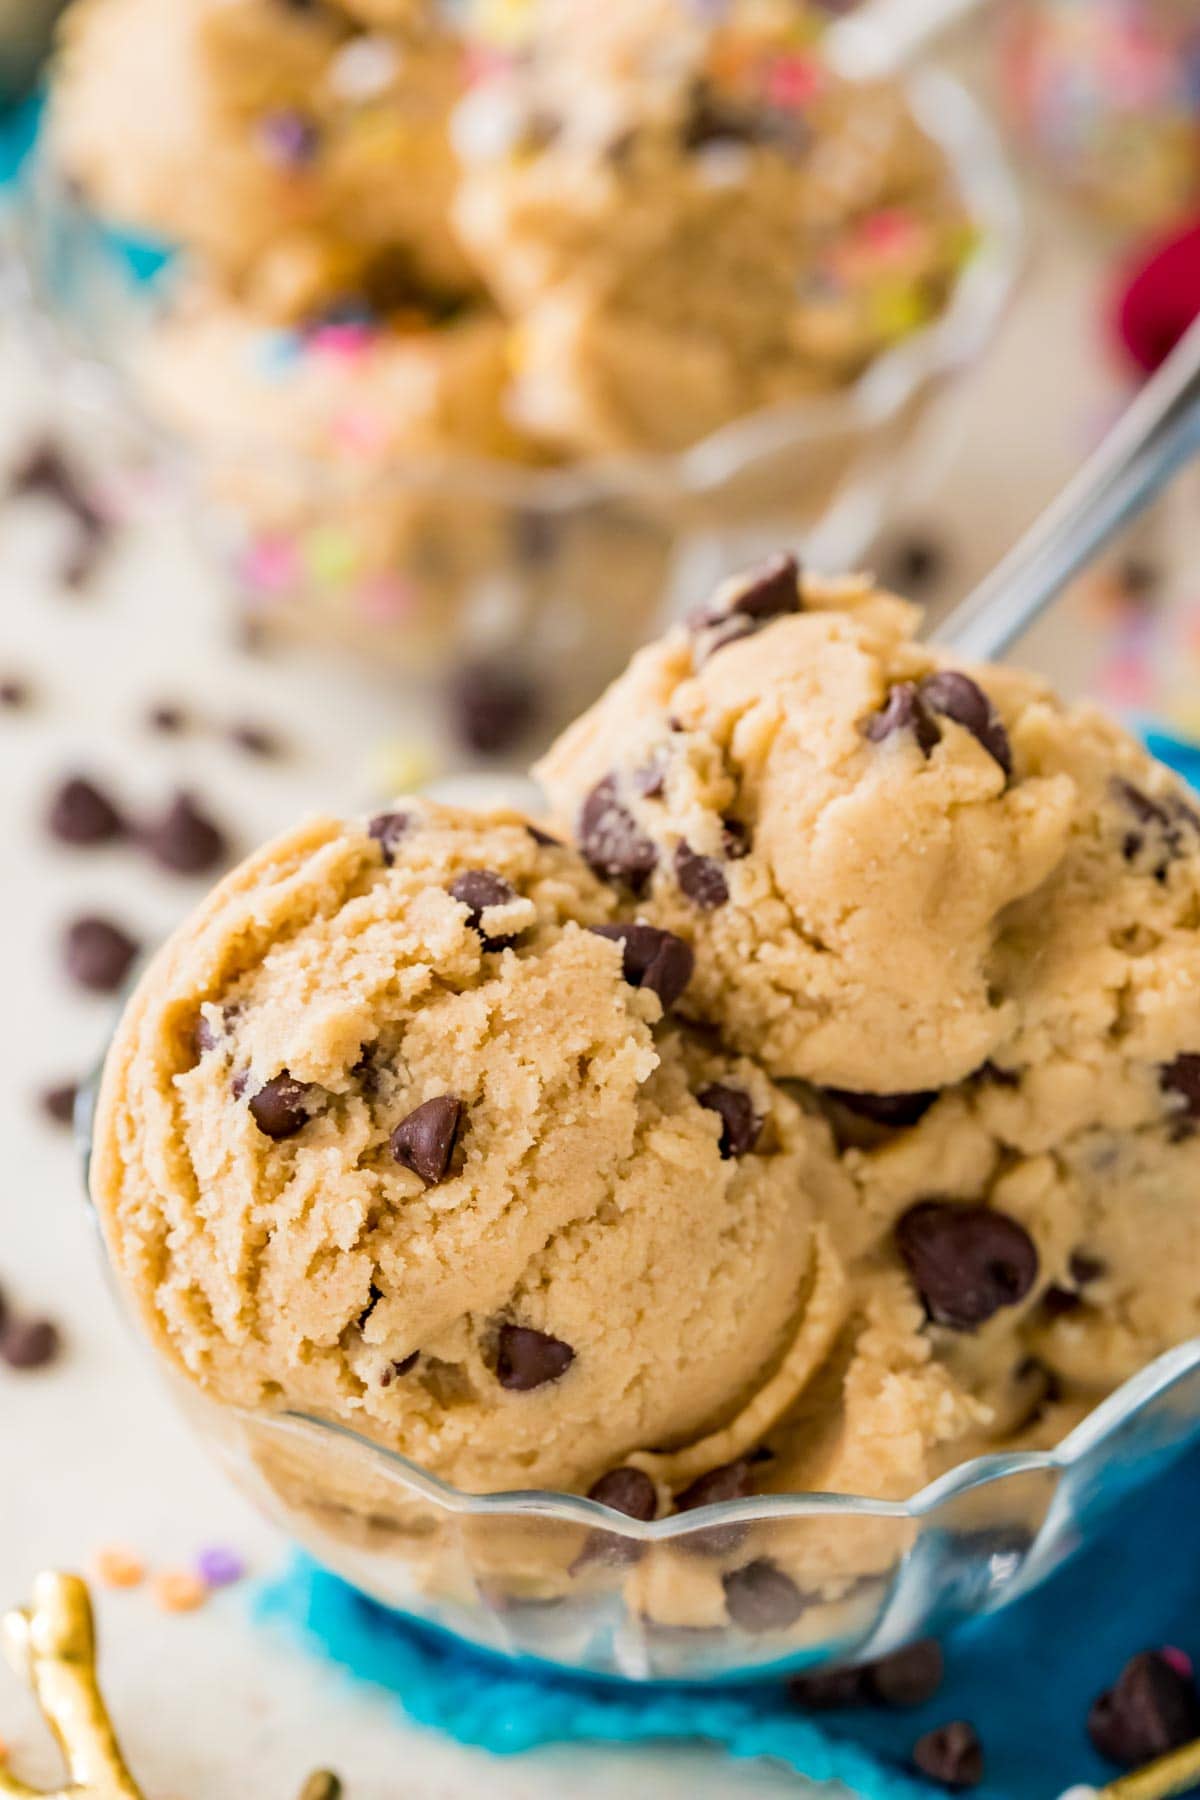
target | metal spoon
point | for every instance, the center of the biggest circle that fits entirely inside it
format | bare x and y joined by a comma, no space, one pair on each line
882,36
1154,439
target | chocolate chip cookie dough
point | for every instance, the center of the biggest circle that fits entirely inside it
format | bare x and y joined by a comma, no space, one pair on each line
827,1116
399,1131
959,917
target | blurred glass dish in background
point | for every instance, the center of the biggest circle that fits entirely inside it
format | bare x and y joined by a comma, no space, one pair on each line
376,483
1106,95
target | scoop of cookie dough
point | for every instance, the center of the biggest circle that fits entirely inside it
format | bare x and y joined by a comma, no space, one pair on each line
350,384
248,130
694,219
963,915
836,821
398,1131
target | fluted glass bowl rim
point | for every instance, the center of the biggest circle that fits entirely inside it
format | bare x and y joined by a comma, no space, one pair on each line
943,107
1086,1441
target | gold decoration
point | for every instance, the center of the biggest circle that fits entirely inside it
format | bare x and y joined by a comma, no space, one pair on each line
1176,1773
52,1646
322,1784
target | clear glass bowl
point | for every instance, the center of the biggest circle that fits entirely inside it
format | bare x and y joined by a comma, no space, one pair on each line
563,569
731,1592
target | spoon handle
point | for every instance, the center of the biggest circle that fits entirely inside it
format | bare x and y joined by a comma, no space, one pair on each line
881,36
1155,438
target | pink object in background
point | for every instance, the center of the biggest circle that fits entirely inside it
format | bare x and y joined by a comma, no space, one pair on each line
1158,296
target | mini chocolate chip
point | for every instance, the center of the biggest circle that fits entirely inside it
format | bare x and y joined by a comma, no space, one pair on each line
907,1677
760,1597
1138,578
255,740
289,137
98,954
492,707
915,563
46,471
424,1141
611,840
904,710
725,629
651,778
388,828
769,591
967,1262
1145,810
204,1035
957,697
628,1491
15,693
895,1111
701,878
1163,823
29,1343
80,813
167,718
952,1755
527,1359
239,1084
281,1107
1152,1708
535,535
395,1370
731,1481
477,890
374,1296
1059,1302
735,839
543,838
1181,1079
994,1076
829,1689
740,1124
1085,1267
186,840
652,958
58,1103
712,119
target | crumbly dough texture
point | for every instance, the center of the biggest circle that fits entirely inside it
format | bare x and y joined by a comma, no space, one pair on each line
592,1203
1012,957
865,882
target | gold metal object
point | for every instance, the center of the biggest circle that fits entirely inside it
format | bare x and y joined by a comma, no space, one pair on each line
1176,1773
322,1784
52,1646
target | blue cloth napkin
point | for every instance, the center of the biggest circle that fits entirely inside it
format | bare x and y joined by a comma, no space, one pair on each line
1025,1678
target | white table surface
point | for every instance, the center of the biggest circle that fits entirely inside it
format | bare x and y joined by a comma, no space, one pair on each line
90,1451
